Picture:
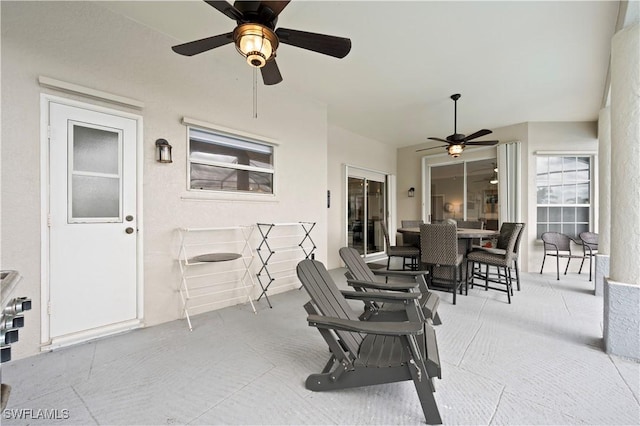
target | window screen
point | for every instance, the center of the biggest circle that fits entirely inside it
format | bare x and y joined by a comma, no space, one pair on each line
224,162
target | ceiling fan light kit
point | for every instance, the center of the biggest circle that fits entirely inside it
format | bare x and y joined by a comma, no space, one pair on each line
256,43
455,150
257,39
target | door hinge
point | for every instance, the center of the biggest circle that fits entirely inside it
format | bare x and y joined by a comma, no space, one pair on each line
48,308
49,220
49,132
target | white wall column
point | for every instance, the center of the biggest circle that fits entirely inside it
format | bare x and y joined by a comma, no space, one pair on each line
604,191
622,287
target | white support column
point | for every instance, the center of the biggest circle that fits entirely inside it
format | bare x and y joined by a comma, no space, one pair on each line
622,287
604,191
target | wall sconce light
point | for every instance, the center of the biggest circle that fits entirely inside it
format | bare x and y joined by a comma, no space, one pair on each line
412,192
494,180
163,151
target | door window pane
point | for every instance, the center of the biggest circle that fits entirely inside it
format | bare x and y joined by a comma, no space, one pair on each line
95,150
375,216
94,183
447,183
366,212
482,192
95,197
355,211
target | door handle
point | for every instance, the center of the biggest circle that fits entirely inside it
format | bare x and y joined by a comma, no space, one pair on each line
129,230
128,218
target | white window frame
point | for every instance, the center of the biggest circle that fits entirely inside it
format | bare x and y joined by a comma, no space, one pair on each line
205,194
593,186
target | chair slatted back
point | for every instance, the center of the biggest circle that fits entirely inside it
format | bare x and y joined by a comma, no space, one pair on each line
326,296
356,265
439,243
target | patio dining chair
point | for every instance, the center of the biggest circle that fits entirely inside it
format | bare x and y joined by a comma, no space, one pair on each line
409,239
589,248
439,243
502,259
558,245
410,253
502,242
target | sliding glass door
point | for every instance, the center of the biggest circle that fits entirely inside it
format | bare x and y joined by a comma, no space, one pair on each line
447,192
482,192
464,191
366,209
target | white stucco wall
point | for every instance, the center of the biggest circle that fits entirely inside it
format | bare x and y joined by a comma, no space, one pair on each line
348,148
85,44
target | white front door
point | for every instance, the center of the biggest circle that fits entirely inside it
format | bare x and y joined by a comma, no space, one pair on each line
92,223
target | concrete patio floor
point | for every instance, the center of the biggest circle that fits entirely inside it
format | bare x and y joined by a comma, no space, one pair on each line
536,361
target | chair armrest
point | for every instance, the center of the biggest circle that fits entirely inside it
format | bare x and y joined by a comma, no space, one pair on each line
403,328
492,250
379,296
383,286
577,241
403,274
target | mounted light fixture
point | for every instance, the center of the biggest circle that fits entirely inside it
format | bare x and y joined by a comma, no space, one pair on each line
455,150
256,43
412,192
163,151
494,180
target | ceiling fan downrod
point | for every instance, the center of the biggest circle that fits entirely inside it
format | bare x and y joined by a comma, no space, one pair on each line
455,98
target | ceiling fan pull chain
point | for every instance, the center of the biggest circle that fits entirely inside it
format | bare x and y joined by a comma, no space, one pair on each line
255,92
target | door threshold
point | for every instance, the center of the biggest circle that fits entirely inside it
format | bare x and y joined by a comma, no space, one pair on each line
88,335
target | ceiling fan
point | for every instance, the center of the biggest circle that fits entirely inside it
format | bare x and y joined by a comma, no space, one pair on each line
257,39
457,141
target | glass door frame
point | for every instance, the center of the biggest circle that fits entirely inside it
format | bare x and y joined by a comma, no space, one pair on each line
389,204
489,153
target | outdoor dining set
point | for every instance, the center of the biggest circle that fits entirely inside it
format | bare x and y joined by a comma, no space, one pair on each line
462,254
458,256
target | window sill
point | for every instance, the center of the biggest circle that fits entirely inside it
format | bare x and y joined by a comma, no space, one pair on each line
223,196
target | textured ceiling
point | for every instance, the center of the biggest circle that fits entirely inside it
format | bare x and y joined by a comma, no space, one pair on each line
512,61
